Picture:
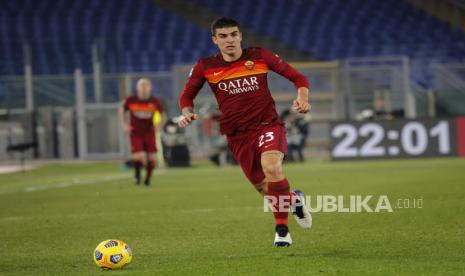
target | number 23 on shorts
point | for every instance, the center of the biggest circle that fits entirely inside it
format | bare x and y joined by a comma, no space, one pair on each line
264,138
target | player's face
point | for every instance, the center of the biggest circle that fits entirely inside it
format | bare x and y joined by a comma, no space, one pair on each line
144,89
228,40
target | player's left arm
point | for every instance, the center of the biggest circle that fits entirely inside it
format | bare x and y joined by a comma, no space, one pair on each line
302,102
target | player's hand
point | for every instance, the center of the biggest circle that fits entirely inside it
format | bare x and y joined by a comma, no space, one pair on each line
127,129
187,118
301,105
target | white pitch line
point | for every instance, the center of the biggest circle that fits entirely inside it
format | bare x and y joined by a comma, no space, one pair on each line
142,212
12,169
74,182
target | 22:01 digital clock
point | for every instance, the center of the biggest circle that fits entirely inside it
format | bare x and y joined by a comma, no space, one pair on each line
397,138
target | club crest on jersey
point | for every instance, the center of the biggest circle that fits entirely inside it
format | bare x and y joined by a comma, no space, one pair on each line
249,64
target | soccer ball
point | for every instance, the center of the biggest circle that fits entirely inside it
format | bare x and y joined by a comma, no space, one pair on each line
112,254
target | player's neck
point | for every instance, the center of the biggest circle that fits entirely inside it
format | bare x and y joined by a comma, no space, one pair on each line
143,98
233,57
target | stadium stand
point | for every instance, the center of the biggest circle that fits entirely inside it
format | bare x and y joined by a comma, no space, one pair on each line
140,36
332,29
135,36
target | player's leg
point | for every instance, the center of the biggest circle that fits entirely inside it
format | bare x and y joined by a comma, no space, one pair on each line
150,165
261,187
278,192
277,185
137,162
272,148
245,151
137,150
151,148
282,198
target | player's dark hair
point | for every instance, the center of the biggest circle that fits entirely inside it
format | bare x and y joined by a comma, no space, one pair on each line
223,22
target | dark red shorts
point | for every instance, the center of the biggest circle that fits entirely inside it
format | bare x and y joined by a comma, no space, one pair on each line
248,146
143,142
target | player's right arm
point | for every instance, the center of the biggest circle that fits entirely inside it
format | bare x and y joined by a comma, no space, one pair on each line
122,118
191,89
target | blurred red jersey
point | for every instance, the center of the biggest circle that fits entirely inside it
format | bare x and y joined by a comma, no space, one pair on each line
141,113
241,88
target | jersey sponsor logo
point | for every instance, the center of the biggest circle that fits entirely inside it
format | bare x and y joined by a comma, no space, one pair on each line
240,85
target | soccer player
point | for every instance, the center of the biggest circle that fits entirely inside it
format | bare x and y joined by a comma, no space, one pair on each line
142,107
255,133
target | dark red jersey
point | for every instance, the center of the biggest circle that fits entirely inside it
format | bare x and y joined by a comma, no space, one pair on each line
141,113
241,87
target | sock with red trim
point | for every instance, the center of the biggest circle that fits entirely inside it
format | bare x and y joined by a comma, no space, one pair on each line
280,197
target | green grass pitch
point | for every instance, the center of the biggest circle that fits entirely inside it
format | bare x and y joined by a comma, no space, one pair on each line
209,221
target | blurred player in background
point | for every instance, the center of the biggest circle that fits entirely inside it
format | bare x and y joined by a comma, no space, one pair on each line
142,108
255,133
297,129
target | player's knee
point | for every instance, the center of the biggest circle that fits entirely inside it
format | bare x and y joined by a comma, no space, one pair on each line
138,156
151,158
273,170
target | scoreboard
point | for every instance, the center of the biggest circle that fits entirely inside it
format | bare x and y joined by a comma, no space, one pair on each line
398,138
